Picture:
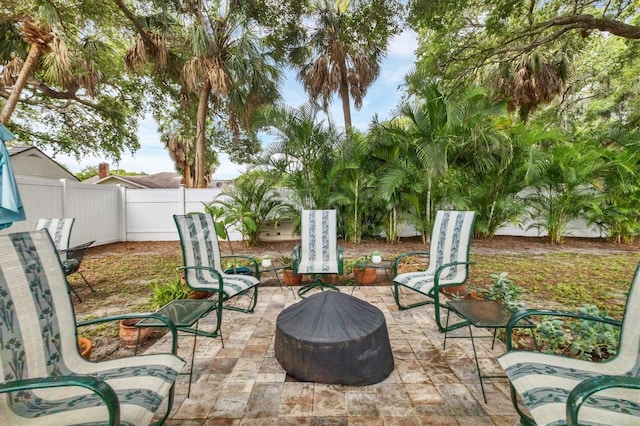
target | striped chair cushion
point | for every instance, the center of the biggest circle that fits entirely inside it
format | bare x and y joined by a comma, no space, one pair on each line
60,231
39,340
450,242
318,245
200,248
544,380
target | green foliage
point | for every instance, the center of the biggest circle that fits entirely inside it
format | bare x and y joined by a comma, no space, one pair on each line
91,171
248,203
552,333
564,178
505,291
165,292
583,338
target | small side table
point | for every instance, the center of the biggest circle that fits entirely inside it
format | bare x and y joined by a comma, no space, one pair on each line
184,313
482,314
275,268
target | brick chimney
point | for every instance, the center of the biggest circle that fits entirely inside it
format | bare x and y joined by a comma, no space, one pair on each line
103,170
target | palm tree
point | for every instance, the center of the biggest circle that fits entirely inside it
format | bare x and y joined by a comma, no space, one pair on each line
564,178
346,46
303,153
227,67
48,33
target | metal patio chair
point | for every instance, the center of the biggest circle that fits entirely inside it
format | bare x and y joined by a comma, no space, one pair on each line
71,257
203,265
448,262
318,252
561,390
43,377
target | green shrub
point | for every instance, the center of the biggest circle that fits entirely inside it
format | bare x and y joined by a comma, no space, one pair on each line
583,339
165,292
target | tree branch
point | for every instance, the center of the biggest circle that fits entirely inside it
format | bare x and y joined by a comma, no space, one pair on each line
590,22
136,23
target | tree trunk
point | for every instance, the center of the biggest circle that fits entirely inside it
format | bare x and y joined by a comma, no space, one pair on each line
187,175
344,96
26,72
201,126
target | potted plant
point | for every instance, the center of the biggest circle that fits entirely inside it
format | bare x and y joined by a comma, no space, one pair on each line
290,278
376,257
363,275
459,291
266,261
129,332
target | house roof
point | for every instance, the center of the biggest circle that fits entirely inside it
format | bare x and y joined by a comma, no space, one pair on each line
30,161
156,180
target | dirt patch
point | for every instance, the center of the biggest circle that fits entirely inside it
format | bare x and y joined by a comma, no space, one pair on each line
122,273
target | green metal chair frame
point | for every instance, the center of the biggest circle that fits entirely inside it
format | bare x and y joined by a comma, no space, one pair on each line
71,257
44,380
448,265
203,266
557,389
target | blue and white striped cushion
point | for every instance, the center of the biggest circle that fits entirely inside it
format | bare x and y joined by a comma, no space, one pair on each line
38,340
318,245
200,248
450,242
544,380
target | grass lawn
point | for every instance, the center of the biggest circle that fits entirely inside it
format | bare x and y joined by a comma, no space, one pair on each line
552,280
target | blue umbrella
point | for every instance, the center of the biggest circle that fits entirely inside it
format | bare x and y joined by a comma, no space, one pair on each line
11,209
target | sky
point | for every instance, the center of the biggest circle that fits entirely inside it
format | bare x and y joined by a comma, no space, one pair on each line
382,97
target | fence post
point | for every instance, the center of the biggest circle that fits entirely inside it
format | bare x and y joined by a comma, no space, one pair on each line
123,212
63,181
183,200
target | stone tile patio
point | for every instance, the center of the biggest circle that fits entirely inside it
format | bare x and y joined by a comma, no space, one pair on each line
243,383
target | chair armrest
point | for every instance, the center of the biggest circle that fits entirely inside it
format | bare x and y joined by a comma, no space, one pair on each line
79,247
436,275
295,258
523,313
160,317
407,254
98,386
586,388
204,268
256,271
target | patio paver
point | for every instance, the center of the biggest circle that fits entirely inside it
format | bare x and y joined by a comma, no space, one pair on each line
243,383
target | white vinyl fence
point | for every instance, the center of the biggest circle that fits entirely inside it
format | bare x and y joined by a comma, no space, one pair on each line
108,213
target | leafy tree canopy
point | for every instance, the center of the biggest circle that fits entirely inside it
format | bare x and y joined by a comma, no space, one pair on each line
76,98
91,171
525,49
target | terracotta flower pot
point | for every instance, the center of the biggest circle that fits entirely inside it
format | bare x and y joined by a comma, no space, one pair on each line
455,290
129,333
474,296
364,276
84,346
198,294
290,278
331,279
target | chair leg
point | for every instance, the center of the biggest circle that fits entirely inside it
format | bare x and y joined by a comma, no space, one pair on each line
431,299
252,303
318,283
74,292
87,282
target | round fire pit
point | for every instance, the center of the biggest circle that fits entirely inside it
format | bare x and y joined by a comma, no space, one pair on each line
334,338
